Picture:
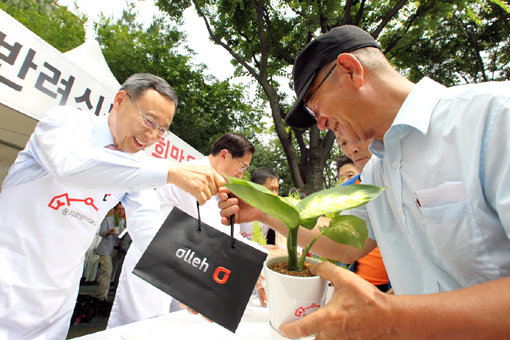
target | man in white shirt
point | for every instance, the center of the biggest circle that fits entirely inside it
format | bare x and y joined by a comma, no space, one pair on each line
268,178
75,168
443,224
136,299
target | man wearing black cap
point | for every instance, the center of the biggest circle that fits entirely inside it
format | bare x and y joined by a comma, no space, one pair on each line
443,224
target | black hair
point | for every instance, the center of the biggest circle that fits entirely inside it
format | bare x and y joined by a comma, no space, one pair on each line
341,161
260,175
235,143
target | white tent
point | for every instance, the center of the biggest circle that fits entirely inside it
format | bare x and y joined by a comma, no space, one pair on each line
35,77
88,56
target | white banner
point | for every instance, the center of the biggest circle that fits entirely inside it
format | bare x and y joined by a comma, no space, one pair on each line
34,77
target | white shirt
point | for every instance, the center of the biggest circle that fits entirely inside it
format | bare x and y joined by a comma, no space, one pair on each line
170,196
55,195
69,145
137,299
458,137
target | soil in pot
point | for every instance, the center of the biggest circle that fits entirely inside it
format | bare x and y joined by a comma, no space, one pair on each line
283,268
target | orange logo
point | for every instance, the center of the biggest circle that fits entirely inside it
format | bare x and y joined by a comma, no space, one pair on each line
217,272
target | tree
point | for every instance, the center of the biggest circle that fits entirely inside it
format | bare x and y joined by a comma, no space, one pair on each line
271,154
207,107
53,23
467,44
263,37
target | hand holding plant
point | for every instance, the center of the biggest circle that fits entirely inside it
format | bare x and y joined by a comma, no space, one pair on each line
345,229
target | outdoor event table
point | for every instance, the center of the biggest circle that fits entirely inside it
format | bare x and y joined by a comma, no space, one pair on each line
183,325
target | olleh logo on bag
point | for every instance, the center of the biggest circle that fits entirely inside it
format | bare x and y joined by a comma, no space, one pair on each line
188,256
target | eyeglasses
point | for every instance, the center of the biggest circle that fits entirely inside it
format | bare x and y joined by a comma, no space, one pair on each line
243,167
148,121
310,111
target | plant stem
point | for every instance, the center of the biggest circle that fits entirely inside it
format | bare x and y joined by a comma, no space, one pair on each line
292,248
302,260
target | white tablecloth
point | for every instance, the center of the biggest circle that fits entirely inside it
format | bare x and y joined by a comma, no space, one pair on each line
183,325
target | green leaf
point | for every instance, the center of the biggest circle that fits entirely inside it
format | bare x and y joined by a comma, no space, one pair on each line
347,229
337,199
290,200
309,223
263,199
257,235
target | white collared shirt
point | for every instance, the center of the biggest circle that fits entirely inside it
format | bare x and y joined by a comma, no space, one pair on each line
69,144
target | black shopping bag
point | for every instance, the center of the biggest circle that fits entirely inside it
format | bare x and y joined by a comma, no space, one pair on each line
203,268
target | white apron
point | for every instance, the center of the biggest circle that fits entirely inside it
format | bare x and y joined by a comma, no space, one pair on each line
45,230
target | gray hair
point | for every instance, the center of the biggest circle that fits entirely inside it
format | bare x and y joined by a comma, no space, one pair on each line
373,59
138,83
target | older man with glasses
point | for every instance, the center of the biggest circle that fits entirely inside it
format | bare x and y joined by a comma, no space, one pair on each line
75,168
442,224
136,299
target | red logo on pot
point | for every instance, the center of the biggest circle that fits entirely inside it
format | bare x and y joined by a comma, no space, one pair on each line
218,271
303,310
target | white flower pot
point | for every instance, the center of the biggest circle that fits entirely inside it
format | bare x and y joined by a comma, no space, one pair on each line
291,298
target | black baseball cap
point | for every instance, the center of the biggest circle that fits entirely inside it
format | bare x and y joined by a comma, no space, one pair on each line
319,52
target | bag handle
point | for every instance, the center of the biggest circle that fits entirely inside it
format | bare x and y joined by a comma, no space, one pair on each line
232,220
199,227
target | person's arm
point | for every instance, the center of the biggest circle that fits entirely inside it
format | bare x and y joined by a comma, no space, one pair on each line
198,180
103,230
62,146
323,247
359,310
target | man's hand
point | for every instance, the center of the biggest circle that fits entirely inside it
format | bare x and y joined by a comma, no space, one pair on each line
200,181
260,286
357,310
232,205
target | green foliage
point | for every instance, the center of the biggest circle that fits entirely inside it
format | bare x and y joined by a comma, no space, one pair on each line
257,234
451,41
207,107
53,23
262,198
337,199
345,229
270,154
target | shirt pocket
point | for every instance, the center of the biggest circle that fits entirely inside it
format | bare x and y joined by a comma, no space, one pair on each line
457,243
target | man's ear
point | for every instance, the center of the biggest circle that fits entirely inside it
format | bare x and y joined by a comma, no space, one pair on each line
119,98
351,65
223,153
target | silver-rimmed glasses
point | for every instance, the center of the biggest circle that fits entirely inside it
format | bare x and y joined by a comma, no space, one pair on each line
148,121
243,167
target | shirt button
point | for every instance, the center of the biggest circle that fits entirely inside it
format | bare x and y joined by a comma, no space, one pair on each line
396,165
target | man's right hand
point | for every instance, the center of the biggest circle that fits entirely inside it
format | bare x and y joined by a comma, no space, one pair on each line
200,181
230,204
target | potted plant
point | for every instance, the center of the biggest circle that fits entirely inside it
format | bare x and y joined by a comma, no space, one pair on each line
296,213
